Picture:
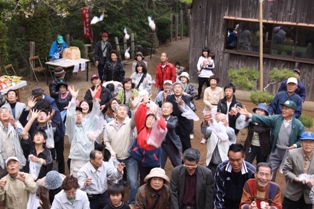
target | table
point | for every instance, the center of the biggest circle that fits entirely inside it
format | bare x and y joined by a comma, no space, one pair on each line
67,63
16,87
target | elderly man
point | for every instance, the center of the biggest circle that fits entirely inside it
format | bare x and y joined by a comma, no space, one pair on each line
16,186
301,88
93,176
221,137
164,71
119,138
102,53
282,96
9,140
191,185
162,95
299,161
16,108
286,132
261,191
230,178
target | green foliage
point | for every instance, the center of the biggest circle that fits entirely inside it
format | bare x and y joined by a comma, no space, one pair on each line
279,75
163,28
186,1
80,45
3,45
306,120
261,97
244,77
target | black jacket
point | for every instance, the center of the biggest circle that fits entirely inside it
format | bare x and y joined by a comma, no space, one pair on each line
223,108
53,87
98,54
105,96
115,73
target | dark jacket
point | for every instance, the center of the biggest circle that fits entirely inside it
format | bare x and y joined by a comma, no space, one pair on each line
263,136
171,134
105,96
98,54
115,73
204,187
299,91
223,108
53,90
184,125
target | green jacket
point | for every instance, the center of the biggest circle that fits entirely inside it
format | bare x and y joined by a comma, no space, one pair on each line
275,121
120,96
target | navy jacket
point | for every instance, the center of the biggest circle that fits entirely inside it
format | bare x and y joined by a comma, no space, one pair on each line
171,134
299,91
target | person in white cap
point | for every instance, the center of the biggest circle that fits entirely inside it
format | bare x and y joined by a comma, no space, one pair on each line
282,96
155,193
16,186
162,95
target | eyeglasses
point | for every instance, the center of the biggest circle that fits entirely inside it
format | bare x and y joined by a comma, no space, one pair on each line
190,166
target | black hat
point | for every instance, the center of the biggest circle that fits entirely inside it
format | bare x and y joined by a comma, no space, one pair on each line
62,83
139,54
58,72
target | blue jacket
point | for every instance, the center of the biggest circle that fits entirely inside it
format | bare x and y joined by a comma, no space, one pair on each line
54,49
299,91
280,98
275,121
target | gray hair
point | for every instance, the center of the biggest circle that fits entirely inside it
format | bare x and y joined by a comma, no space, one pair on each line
169,103
121,105
192,154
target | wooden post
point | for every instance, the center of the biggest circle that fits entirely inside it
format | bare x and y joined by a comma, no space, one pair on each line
132,46
261,44
189,22
181,24
31,54
117,46
176,26
171,27
67,39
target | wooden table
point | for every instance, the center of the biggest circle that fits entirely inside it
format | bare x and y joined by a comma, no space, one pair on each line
67,64
16,88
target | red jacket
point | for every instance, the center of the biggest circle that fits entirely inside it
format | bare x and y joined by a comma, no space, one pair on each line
168,73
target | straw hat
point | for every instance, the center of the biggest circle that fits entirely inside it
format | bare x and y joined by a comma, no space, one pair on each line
157,172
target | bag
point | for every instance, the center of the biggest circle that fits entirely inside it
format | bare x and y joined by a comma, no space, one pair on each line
157,135
34,168
33,202
50,142
148,158
94,125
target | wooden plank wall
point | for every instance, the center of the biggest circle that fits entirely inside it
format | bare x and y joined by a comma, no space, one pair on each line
208,28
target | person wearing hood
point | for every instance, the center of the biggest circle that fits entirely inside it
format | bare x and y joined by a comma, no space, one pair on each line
114,69
57,48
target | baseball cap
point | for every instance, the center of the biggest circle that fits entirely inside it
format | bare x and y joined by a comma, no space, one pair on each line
290,104
104,34
95,76
307,135
60,39
292,80
11,158
168,81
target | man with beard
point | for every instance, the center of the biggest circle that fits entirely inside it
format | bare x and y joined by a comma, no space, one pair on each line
228,106
184,126
261,191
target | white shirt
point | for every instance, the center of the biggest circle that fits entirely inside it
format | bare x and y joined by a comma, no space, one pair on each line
99,177
61,201
205,73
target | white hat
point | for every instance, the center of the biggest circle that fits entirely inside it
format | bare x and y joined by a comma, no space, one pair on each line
11,158
168,81
292,80
157,172
184,74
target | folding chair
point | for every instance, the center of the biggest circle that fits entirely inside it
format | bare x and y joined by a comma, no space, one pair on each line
10,66
39,69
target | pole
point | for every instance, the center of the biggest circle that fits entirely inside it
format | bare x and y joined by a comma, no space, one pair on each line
171,27
181,24
176,26
117,46
31,54
261,44
132,46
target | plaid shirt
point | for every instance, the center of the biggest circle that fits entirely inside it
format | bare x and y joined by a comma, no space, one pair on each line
146,197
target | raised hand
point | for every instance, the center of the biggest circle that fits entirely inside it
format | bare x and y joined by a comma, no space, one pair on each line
34,158
135,101
34,113
73,92
146,99
243,111
51,114
88,181
3,183
31,102
94,92
21,177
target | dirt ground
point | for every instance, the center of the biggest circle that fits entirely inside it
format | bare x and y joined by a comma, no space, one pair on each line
177,51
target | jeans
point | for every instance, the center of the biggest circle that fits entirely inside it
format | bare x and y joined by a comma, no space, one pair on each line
132,172
63,113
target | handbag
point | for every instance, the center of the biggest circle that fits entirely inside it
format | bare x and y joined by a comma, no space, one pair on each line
148,158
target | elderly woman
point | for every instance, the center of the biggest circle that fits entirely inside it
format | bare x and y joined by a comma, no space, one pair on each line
155,193
70,196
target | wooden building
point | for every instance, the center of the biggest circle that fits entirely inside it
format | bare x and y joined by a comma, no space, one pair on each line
288,37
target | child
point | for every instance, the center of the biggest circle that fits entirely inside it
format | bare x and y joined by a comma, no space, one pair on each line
179,68
40,153
64,97
190,91
116,194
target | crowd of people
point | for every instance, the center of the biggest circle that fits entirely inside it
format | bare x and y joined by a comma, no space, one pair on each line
118,135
